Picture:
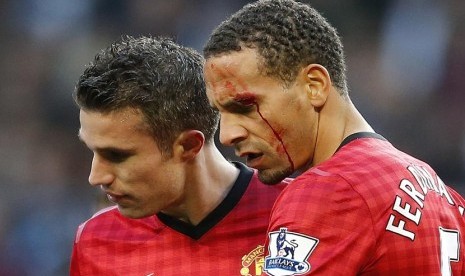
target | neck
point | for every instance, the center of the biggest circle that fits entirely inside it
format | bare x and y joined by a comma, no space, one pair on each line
209,179
338,119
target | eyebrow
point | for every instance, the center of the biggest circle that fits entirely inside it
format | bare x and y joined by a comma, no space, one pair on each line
233,105
105,149
108,150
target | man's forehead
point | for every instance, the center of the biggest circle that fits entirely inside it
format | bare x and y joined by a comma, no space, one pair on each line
231,61
220,68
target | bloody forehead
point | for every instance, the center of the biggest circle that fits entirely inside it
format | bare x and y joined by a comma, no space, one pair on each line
226,74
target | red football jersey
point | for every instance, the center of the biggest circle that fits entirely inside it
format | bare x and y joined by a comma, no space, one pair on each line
369,210
229,241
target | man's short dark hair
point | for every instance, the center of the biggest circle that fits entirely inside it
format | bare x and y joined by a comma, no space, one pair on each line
287,34
158,77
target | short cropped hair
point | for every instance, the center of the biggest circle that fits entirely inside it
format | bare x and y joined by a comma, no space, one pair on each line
158,77
288,35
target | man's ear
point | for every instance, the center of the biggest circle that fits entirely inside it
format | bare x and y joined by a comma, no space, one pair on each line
317,83
188,144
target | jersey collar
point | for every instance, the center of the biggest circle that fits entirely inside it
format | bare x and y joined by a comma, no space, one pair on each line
359,135
228,203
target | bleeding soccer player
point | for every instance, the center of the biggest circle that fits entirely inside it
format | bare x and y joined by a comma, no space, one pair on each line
275,70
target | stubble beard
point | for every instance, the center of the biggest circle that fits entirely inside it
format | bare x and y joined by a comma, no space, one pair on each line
273,177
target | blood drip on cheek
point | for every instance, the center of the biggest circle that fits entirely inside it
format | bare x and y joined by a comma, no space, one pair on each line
249,99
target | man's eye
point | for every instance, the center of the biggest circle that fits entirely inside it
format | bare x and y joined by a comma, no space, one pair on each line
241,108
116,157
244,109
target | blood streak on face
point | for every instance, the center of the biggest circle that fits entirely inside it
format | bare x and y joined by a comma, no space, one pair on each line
247,98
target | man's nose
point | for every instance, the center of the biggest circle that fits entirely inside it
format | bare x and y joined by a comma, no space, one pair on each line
231,133
100,172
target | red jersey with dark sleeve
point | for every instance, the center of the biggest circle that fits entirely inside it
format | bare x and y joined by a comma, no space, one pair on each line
229,241
369,210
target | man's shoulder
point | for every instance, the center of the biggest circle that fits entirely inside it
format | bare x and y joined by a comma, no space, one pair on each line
100,218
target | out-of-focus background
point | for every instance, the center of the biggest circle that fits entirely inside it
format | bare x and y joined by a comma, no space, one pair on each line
406,63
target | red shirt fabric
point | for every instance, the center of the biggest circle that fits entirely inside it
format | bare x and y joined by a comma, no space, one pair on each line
369,210
229,241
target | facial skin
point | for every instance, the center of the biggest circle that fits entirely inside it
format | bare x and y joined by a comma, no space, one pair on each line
261,117
128,164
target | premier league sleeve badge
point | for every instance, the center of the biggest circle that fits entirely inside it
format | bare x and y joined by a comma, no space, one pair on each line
288,253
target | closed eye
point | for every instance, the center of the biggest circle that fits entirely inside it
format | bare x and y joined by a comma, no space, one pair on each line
239,107
115,155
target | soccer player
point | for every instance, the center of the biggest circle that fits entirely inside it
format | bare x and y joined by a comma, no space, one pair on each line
180,207
275,70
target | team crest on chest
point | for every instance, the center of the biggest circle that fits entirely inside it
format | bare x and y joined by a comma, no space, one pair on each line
252,263
289,252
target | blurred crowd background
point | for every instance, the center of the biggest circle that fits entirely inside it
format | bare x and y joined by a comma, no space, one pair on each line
406,63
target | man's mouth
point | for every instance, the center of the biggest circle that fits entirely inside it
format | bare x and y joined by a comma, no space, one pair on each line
114,197
252,156
253,159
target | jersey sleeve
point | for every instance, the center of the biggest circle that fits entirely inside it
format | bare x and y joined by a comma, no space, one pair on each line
319,226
